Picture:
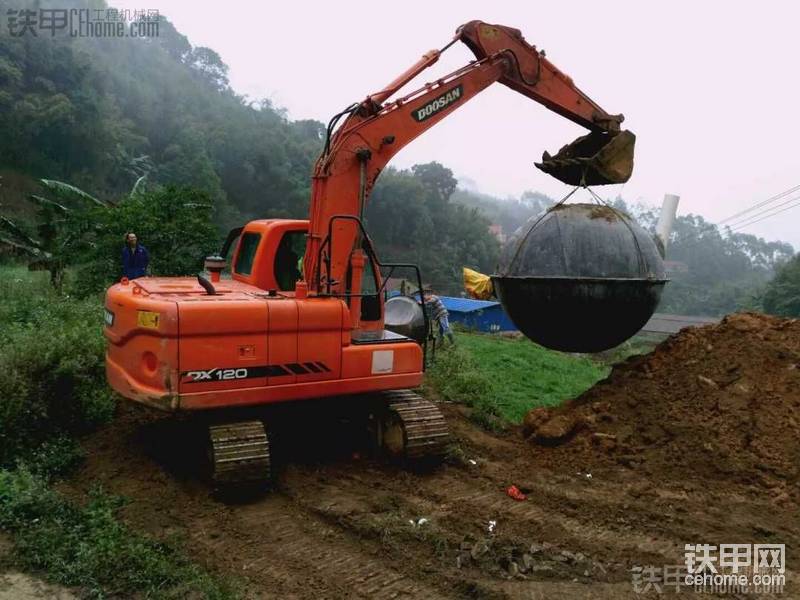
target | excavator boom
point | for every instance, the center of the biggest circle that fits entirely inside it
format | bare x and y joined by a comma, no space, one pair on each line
373,131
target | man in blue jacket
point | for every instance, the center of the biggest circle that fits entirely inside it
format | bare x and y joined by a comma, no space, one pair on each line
134,258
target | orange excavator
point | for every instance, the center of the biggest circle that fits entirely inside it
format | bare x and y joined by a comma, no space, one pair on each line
302,315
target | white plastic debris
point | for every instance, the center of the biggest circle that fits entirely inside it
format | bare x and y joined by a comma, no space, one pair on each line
473,462
492,526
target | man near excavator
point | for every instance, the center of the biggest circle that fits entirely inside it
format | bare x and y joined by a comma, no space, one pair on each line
438,312
135,258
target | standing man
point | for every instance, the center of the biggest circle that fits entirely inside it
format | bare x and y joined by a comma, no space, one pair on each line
134,258
437,311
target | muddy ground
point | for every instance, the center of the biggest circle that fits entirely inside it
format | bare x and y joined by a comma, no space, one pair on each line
338,523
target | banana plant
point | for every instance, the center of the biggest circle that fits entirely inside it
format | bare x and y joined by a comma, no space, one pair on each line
48,250
61,230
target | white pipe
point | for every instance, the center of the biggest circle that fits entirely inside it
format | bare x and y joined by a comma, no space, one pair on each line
669,208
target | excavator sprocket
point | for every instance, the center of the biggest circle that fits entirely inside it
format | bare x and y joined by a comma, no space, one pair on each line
239,453
412,427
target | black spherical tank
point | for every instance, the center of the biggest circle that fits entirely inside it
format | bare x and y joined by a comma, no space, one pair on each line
582,278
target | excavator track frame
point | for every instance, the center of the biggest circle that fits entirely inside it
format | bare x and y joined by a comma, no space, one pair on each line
411,427
239,453
405,427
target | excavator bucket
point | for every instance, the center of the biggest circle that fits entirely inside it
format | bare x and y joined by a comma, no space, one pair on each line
598,158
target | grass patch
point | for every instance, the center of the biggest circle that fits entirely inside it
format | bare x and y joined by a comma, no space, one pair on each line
89,547
503,378
456,376
52,361
53,389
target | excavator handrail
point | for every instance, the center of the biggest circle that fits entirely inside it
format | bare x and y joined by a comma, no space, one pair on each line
372,256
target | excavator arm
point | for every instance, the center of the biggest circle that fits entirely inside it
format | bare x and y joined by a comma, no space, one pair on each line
373,131
532,75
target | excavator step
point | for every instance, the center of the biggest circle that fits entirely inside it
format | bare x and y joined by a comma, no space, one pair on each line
413,427
239,453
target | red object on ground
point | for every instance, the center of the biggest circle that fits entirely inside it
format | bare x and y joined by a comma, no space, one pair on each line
514,492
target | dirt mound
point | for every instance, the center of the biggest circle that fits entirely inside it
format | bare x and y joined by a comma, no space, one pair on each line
717,402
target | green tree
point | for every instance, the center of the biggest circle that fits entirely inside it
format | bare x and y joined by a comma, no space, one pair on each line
782,296
174,224
509,213
412,219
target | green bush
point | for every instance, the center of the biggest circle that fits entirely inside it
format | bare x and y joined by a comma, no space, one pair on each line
90,548
52,357
52,360
782,296
56,456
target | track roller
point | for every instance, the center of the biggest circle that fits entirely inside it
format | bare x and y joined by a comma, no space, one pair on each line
412,427
239,453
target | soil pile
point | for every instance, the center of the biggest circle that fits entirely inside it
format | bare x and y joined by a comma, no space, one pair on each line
717,402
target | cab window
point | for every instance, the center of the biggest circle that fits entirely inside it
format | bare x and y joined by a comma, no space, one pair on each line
247,253
289,260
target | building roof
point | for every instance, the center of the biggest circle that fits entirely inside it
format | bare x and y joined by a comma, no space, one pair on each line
466,304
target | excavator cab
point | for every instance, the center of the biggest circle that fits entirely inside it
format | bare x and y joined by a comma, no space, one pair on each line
269,253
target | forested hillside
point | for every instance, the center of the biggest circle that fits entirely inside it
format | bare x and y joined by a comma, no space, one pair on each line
414,216
101,113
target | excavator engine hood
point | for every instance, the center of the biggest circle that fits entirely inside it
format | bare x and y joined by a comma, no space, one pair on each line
599,158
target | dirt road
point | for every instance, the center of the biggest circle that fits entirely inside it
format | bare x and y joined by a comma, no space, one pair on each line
338,525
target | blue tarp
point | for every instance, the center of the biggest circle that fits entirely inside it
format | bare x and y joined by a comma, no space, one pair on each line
480,315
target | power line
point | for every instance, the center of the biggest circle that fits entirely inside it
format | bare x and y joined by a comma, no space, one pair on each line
795,205
744,221
753,219
760,204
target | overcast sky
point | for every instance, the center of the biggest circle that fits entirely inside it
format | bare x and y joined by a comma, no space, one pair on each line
709,88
